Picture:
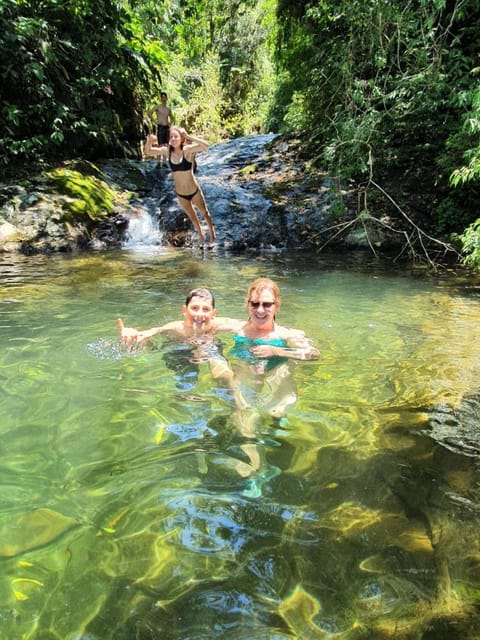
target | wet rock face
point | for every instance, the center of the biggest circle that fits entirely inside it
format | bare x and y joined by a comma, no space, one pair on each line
257,201
239,209
33,215
457,429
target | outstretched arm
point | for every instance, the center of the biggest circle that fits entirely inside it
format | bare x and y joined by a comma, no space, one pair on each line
228,324
129,335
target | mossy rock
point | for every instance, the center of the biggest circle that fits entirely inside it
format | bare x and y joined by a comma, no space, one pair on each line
89,196
248,170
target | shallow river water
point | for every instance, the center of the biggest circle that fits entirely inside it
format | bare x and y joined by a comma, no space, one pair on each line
122,512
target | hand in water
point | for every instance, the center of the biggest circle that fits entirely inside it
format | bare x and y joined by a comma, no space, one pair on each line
128,335
263,351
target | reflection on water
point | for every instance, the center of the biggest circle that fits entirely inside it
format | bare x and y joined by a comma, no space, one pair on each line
130,505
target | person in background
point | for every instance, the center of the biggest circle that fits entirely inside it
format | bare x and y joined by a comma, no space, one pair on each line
164,118
180,153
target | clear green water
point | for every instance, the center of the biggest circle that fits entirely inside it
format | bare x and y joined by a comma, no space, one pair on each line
121,510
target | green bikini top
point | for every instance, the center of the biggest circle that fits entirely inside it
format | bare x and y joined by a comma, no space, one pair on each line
242,346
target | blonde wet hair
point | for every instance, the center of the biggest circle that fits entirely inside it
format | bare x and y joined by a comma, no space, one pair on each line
263,284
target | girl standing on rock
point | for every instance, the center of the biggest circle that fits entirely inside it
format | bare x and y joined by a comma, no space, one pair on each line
180,153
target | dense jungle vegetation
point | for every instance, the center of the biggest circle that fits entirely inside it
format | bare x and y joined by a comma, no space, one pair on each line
381,92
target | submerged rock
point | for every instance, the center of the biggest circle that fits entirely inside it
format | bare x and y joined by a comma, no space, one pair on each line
32,530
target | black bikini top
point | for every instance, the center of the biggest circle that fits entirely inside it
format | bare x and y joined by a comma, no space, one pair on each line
183,165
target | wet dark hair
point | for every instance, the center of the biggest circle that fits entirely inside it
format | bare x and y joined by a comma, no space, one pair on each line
163,93
201,292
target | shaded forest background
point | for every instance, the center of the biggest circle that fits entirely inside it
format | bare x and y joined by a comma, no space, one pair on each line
379,92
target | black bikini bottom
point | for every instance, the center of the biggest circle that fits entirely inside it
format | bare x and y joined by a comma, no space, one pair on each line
189,197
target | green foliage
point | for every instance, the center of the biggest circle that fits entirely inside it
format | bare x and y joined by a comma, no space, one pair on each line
72,75
78,76
280,104
385,87
373,73
199,97
375,86
219,75
295,117
466,141
470,240
90,196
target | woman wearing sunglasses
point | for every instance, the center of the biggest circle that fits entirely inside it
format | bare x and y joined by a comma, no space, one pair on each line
263,349
262,360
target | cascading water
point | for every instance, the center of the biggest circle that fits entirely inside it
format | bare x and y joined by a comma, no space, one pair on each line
143,228
238,208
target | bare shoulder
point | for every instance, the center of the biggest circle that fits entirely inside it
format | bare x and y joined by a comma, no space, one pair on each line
176,326
228,324
289,334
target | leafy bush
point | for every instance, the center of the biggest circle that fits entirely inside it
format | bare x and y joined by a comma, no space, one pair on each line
72,79
386,87
470,240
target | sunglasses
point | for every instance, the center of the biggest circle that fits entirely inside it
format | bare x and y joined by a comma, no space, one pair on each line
265,305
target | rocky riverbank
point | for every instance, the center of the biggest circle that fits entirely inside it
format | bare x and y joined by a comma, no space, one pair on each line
260,194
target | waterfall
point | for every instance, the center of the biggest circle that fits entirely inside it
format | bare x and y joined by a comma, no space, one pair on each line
143,230
238,206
